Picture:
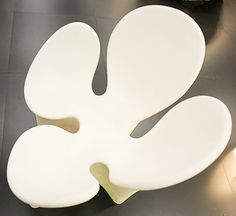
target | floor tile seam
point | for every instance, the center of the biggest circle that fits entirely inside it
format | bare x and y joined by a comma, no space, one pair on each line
2,132
8,76
11,40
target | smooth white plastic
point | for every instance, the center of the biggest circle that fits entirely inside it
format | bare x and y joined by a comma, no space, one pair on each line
154,55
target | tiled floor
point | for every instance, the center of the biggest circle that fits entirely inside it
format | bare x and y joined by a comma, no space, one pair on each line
26,24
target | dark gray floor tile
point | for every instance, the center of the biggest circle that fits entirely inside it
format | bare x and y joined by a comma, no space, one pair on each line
9,204
82,7
99,83
105,27
231,2
232,34
209,17
3,93
2,114
113,9
18,117
220,56
229,22
30,31
229,14
6,19
6,5
119,8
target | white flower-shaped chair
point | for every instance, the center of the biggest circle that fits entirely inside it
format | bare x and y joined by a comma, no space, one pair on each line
154,55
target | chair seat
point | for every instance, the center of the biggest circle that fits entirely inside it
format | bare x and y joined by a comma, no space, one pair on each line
83,140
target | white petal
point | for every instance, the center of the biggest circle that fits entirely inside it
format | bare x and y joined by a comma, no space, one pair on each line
60,76
183,143
154,55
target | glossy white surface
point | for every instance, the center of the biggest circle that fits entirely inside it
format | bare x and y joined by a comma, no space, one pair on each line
51,167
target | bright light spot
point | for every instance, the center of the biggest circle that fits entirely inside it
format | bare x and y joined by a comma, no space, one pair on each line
235,151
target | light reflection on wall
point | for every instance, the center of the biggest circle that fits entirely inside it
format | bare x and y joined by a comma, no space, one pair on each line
218,185
229,166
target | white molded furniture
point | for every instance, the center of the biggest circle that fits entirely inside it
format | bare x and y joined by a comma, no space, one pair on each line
154,55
